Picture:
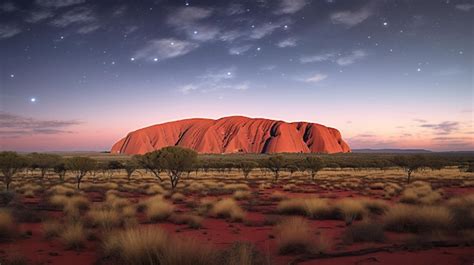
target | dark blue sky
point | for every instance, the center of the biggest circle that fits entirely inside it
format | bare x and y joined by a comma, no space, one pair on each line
78,74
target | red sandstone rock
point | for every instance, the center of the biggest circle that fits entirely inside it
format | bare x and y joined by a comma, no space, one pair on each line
235,134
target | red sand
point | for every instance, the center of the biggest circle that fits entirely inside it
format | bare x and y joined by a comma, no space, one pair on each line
235,134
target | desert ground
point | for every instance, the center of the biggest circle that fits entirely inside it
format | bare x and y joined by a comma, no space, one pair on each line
343,216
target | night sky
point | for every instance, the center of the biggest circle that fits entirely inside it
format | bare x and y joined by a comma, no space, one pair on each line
79,75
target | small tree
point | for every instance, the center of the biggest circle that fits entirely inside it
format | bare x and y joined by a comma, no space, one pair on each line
80,166
313,165
292,168
247,167
130,167
410,164
60,169
151,162
43,162
275,164
10,164
176,160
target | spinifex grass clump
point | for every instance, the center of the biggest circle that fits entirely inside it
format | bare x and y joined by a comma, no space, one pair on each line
294,236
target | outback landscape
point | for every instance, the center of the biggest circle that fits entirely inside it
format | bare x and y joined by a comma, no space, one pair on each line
236,132
173,206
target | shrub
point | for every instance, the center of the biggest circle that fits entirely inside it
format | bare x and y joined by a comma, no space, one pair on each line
294,236
159,210
228,208
192,221
105,218
420,193
143,246
241,253
178,197
7,225
350,210
242,195
364,232
407,218
315,208
236,186
51,229
462,210
73,236
277,196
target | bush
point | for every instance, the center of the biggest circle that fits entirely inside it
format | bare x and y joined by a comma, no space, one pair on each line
350,210
242,195
407,218
158,210
51,229
241,253
294,236
315,208
228,208
192,221
7,225
144,246
73,236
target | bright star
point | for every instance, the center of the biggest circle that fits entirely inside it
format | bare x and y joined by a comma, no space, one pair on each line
286,26
418,70
229,73
132,59
33,100
385,24
12,75
258,49
195,32
187,4
155,59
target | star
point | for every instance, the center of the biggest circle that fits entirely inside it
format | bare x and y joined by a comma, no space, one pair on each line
33,100
112,62
172,43
195,32
385,24
258,48
229,73
12,76
461,52
62,37
286,26
186,4
155,59
132,59
418,70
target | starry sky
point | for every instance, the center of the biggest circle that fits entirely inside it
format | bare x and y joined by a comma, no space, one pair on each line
79,74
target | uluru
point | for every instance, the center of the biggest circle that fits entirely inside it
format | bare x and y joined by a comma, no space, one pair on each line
235,134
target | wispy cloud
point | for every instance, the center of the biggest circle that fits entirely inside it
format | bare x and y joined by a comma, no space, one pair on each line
351,58
58,3
12,125
443,128
316,78
8,7
88,29
340,59
238,50
290,6
465,7
215,79
39,15
190,20
8,31
318,57
164,49
78,15
351,18
266,29
290,42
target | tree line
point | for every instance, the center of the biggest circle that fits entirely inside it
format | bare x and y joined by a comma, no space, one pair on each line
177,161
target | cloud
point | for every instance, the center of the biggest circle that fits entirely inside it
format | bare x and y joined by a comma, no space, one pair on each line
351,18
290,42
342,60
351,58
13,125
8,31
267,29
88,29
290,6
8,7
218,76
39,15
186,89
190,21
235,9
231,35
58,3
318,57
238,50
78,15
214,80
316,78
164,49
442,128
465,7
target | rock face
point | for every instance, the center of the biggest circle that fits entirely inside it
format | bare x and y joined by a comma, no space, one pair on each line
233,135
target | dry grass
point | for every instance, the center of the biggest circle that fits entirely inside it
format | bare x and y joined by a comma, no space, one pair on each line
7,225
105,218
158,210
315,208
294,236
242,195
228,208
420,193
408,218
192,221
277,196
73,236
242,253
236,186
350,210
178,197
51,229
155,189
142,246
